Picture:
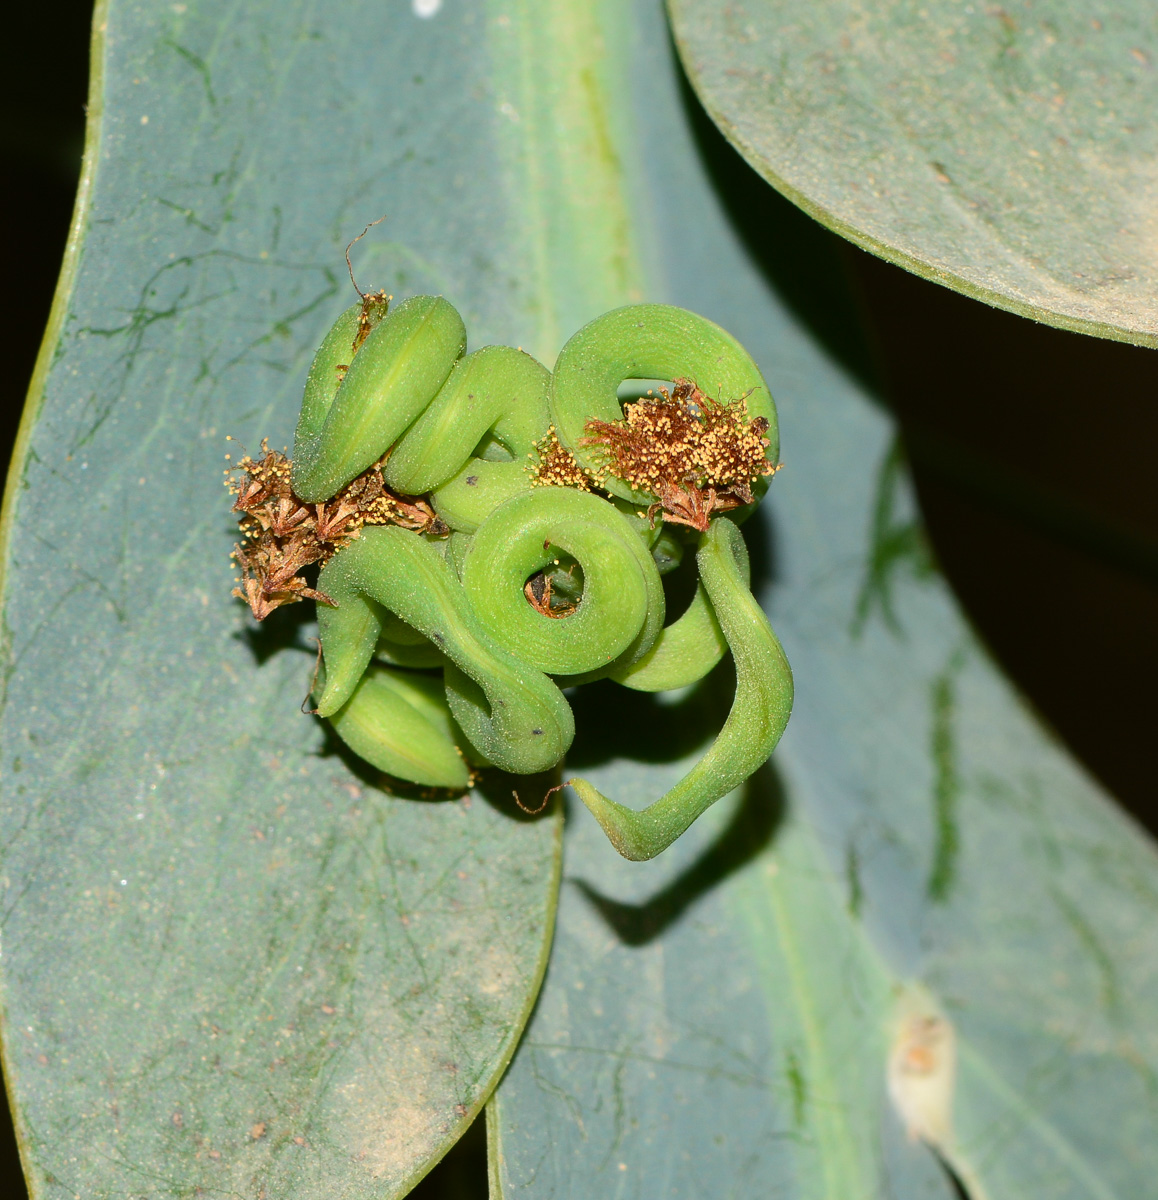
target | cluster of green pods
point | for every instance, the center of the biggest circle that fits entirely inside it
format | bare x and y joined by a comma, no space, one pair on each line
434,660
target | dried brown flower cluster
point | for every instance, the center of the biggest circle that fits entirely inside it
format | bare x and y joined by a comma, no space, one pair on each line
696,455
539,591
374,306
282,534
556,465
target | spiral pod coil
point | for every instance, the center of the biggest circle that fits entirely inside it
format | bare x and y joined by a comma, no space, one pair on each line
446,643
525,726
649,341
622,607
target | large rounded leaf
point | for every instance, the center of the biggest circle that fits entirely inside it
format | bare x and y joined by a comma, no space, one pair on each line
937,854
922,917
1008,151
231,963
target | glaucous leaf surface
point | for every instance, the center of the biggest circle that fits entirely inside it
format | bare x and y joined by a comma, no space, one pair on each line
1008,151
537,166
232,965
921,876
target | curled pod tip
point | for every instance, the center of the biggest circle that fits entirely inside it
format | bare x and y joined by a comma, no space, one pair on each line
759,713
393,377
650,341
620,610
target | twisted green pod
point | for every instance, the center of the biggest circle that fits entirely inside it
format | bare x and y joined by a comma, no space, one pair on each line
759,713
650,341
683,653
445,653
354,411
622,608
523,723
496,393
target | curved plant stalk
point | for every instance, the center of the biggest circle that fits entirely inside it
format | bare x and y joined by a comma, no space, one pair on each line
760,711
686,650
526,724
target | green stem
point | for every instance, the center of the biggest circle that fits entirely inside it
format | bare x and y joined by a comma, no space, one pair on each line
760,711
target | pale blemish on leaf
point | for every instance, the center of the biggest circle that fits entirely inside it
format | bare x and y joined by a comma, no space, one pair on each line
922,1068
388,1141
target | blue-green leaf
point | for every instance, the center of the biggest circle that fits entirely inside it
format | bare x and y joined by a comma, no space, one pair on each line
1005,151
923,917
921,870
232,964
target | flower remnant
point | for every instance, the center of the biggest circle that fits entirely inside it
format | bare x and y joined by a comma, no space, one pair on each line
696,455
282,534
556,466
374,308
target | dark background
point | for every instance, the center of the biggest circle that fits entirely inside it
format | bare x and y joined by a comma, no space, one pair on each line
1032,449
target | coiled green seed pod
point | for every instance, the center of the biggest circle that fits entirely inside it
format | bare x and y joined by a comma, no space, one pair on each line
650,341
456,432
621,610
496,391
523,723
685,651
759,713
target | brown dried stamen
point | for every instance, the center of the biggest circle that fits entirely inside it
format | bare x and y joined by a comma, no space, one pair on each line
556,465
374,306
282,534
540,593
696,455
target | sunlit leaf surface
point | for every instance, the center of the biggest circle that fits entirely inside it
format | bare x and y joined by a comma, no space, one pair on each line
1008,151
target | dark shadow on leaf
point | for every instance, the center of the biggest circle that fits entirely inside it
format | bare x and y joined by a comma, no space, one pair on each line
679,585
462,1174
535,798
291,627
760,538
612,721
752,827
801,259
